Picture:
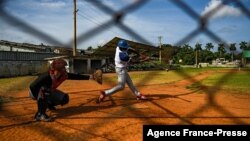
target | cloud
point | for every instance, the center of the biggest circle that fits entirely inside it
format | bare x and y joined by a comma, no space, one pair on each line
117,5
109,3
53,4
44,4
228,29
102,42
226,10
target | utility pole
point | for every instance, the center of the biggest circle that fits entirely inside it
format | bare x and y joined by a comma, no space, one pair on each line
160,37
75,42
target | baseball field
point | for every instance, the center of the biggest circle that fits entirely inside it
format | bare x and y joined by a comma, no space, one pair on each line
188,96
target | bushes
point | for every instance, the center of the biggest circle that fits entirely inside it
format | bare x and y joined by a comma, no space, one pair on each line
153,65
146,66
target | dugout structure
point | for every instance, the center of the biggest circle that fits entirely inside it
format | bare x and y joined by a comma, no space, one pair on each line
80,64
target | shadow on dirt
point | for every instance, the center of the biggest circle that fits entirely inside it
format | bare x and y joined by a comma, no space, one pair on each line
6,127
114,101
1,103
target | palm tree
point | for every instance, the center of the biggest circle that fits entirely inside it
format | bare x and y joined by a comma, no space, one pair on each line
209,46
186,46
243,45
221,49
197,49
90,48
232,48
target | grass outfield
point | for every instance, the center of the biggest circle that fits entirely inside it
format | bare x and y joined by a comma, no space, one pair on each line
157,77
15,84
12,85
236,82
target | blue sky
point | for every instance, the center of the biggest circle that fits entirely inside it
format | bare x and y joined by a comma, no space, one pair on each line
153,19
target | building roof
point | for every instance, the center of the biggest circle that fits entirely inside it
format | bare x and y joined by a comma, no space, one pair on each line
39,48
109,48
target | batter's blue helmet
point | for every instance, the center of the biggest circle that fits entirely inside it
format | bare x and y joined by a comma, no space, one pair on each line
123,44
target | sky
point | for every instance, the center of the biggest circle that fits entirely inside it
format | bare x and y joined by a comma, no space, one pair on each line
51,22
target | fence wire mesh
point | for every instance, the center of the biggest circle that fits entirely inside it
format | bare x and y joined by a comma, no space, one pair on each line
118,21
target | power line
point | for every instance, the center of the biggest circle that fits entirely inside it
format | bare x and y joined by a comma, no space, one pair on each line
95,22
92,15
94,11
89,19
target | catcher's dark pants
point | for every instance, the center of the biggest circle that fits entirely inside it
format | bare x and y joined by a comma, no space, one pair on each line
47,98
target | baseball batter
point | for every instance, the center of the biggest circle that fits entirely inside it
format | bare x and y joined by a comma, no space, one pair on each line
121,63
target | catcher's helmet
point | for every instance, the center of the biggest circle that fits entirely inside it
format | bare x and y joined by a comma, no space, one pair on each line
123,44
59,64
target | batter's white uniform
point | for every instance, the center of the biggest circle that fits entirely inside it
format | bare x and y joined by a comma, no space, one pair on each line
123,76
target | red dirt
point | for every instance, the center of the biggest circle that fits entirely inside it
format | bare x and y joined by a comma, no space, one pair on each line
121,116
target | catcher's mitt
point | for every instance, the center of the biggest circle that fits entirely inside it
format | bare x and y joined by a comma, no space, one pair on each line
97,76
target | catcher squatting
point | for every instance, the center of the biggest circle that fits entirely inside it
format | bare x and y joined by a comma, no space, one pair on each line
44,88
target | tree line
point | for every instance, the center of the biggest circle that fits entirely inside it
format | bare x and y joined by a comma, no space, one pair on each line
202,53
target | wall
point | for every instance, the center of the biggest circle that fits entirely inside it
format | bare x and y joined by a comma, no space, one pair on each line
95,64
20,68
23,63
80,66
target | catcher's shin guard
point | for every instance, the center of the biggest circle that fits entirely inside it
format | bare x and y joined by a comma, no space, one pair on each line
59,98
65,99
41,105
41,114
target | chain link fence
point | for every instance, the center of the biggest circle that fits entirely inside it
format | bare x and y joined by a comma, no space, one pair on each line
117,20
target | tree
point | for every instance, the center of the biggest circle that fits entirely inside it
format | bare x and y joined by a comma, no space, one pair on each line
167,52
232,48
186,46
243,45
184,53
221,49
197,49
209,46
207,54
90,48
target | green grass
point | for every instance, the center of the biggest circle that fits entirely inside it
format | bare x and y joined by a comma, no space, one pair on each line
236,82
158,77
11,85
8,85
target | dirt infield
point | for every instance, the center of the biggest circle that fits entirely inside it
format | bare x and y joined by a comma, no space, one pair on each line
121,116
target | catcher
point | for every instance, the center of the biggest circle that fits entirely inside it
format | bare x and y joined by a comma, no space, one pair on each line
121,63
44,88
